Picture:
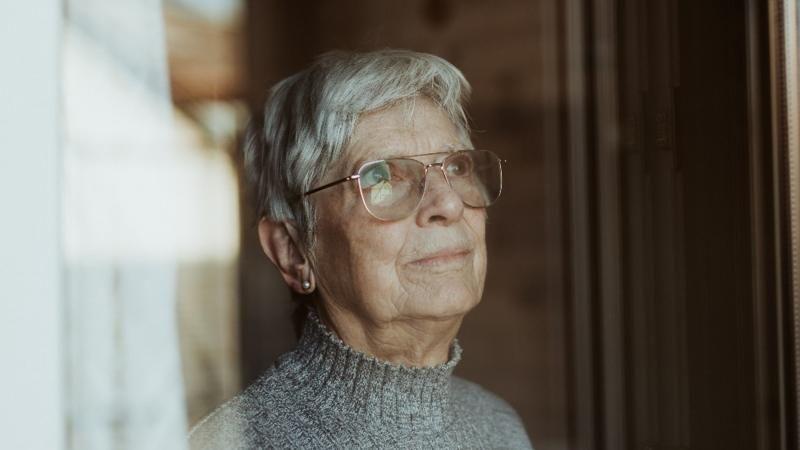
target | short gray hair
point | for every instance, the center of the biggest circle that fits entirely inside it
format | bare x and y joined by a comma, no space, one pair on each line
308,119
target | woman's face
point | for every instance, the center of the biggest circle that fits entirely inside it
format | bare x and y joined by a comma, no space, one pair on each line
383,271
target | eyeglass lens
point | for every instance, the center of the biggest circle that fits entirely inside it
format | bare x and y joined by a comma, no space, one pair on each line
391,189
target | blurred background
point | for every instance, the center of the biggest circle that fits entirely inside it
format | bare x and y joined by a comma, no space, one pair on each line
643,286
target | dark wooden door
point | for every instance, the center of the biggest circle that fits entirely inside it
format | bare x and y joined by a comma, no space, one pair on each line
690,342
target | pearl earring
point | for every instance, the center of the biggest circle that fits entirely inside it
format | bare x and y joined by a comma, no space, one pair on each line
306,285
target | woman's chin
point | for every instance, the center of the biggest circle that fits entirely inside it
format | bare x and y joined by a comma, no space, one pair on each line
443,306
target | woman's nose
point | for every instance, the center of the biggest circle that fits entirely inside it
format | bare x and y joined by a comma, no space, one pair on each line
440,203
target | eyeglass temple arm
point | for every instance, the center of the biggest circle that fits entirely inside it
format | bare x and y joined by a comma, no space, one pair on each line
332,183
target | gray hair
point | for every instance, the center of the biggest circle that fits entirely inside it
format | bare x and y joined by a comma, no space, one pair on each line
308,119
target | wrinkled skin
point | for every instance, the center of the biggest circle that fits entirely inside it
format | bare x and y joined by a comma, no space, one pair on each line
378,290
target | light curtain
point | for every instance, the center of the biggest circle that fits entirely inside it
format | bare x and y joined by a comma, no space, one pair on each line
123,194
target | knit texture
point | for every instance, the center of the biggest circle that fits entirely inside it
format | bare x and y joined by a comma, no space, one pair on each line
325,394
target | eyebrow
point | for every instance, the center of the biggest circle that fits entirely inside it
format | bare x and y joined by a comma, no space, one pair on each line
450,148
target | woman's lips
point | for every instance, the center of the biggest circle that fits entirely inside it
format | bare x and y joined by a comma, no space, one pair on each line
443,258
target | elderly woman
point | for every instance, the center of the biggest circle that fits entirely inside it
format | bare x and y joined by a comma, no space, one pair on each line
372,206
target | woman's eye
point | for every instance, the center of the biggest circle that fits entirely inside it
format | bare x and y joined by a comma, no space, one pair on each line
459,167
376,174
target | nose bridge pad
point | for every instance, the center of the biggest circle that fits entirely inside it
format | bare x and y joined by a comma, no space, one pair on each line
440,168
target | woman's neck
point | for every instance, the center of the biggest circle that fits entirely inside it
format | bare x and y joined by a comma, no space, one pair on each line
407,341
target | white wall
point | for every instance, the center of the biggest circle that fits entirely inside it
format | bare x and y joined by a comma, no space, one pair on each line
31,411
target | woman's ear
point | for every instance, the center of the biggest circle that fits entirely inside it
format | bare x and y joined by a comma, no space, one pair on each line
280,241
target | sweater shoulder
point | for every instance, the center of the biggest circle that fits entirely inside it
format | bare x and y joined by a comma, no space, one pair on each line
495,413
474,395
237,422
222,428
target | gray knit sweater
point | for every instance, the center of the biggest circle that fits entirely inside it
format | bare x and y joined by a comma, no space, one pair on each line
325,394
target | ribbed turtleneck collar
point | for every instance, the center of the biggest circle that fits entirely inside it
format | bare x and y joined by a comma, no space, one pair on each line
340,377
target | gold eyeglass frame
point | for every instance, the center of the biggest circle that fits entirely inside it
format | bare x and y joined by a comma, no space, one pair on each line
440,165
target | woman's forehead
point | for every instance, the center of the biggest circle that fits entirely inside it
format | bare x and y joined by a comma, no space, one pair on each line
390,134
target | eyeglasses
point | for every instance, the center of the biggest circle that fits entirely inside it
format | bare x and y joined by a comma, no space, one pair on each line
392,189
